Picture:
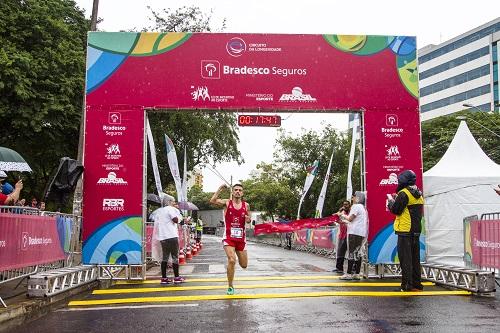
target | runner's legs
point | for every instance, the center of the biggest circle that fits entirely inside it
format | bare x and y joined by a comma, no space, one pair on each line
242,258
231,262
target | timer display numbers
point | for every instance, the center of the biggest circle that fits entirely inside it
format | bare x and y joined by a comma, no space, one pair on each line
259,120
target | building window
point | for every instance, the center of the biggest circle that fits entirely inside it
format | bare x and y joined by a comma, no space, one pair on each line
456,98
460,42
455,62
456,80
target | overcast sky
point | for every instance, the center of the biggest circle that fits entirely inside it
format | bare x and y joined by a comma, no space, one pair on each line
431,22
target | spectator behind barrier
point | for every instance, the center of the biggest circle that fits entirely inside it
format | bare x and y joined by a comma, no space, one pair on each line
14,195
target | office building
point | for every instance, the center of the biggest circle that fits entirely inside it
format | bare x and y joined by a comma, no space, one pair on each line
461,70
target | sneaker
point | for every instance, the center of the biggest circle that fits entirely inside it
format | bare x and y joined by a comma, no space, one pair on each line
346,277
230,291
179,279
336,270
165,281
356,277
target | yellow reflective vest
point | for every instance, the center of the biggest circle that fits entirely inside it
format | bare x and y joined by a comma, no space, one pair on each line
409,220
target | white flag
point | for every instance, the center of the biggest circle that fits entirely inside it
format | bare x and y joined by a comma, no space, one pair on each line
355,125
152,151
184,179
174,166
322,194
311,173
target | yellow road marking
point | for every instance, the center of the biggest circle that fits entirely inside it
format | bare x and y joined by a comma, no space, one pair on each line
252,286
247,278
263,296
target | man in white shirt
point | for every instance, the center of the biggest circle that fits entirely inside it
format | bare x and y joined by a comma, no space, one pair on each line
357,229
167,217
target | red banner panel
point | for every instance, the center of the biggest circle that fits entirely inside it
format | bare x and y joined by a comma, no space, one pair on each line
273,227
28,240
323,239
485,236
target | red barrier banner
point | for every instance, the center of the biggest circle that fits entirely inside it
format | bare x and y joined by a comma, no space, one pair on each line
311,223
149,237
301,237
323,239
28,240
485,236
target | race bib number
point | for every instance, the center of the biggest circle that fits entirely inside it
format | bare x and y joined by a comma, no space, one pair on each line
236,233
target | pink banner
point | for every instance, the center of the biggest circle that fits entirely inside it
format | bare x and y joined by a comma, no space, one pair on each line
485,242
149,237
323,239
28,240
312,223
301,237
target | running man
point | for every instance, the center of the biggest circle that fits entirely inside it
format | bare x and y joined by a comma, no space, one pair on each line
236,214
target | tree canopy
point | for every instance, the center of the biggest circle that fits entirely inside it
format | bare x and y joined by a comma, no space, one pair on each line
438,133
42,70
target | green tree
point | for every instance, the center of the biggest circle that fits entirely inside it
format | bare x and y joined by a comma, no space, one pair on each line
295,153
267,190
438,133
42,66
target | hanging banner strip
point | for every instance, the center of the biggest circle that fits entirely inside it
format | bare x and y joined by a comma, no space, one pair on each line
322,194
152,151
311,223
355,125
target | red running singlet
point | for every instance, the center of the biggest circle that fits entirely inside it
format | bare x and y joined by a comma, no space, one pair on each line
234,228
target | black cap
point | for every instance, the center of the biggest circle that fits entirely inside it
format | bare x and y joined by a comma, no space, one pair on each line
407,178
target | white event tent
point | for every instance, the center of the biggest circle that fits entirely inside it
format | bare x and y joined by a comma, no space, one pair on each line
461,184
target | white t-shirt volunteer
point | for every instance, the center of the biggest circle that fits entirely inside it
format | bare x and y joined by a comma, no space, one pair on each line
166,227
359,225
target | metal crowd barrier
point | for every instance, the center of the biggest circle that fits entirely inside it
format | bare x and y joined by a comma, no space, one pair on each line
26,271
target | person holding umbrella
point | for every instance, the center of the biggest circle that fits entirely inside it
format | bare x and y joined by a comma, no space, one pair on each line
14,195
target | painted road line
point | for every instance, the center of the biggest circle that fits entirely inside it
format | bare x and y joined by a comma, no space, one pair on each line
264,296
247,278
125,307
251,286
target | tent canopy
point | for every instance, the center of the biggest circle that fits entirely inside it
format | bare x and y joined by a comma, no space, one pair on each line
459,185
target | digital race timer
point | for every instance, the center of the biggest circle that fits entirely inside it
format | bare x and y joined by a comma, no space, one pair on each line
259,120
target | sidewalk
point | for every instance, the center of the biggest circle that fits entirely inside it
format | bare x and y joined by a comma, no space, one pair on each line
22,309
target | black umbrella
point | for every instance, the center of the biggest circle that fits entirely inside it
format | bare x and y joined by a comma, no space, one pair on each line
10,160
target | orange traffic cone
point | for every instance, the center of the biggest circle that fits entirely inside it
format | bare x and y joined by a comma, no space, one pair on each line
195,251
189,255
182,259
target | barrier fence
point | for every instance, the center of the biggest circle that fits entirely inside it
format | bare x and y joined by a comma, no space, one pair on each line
322,241
32,241
482,242
185,240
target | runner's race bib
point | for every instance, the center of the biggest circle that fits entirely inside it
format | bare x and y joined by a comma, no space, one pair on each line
236,232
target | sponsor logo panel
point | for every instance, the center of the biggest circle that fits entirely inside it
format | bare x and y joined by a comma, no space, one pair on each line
112,179
114,205
297,95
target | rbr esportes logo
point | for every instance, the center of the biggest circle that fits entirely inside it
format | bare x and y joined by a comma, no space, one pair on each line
236,47
113,204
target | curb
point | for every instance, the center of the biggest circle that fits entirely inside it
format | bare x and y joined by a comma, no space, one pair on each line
28,309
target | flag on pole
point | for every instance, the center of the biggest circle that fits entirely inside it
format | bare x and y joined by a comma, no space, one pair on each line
355,125
322,194
311,173
174,166
152,151
184,179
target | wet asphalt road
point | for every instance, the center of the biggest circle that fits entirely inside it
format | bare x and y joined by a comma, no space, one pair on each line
311,314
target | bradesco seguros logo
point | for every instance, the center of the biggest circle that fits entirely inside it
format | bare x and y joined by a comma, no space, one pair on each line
297,95
236,47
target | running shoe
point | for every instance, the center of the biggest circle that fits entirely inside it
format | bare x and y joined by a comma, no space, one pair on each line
179,279
230,291
356,277
165,281
346,277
